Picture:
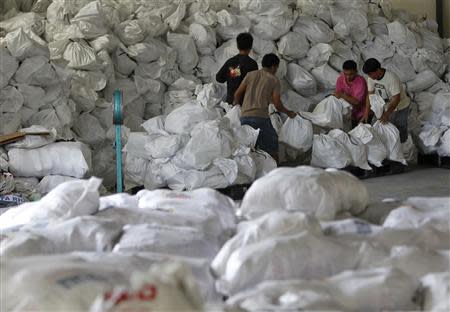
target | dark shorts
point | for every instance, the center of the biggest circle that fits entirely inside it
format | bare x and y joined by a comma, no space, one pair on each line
268,138
400,120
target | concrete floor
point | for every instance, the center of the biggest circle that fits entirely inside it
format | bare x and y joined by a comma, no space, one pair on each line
386,193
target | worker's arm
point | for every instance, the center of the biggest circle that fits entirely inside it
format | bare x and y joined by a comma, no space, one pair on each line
392,106
239,94
221,75
353,101
276,100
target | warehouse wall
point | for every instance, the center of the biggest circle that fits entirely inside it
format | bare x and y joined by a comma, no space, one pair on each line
425,8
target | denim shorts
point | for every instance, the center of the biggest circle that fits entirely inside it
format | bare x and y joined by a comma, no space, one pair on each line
268,138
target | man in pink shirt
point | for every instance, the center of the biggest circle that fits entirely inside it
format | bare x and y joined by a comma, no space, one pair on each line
353,88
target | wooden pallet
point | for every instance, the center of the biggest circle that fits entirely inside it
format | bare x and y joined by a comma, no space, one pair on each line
435,160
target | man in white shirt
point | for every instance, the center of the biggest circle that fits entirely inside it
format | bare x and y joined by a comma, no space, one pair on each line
387,84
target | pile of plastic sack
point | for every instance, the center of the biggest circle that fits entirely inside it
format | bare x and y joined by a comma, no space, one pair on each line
299,246
62,60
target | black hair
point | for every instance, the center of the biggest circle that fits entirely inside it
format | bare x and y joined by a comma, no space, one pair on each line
244,41
350,65
270,60
371,65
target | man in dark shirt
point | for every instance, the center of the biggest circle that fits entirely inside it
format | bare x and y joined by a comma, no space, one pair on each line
236,68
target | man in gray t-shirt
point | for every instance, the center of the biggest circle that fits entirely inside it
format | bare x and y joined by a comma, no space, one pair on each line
261,88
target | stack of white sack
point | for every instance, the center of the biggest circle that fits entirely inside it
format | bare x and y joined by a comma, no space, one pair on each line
70,282
125,233
409,254
193,147
434,115
157,52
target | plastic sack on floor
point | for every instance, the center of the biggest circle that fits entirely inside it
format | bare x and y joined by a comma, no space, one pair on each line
317,56
273,27
80,56
328,113
301,80
272,259
358,151
165,287
36,71
366,289
322,156
78,234
63,158
417,212
377,151
23,45
181,241
164,146
310,190
390,137
48,183
271,225
61,282
68,200
297,133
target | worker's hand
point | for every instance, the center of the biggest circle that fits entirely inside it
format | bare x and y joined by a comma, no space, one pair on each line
291,114
385,117
339,95
364,118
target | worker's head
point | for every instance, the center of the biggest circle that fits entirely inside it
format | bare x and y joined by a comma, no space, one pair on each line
372,68
350,70
244,43
271,62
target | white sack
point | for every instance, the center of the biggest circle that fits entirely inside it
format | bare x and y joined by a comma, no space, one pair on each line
310,190
271,225
34,141
377,105
435,289
9,66
181,241
377,151
326,77
423,80
314,29
328,152
185,118
63,158
301,80
358,151
68,200
78,234
390,137
23,45
187,56
48,183
328,113
297,133
278,259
